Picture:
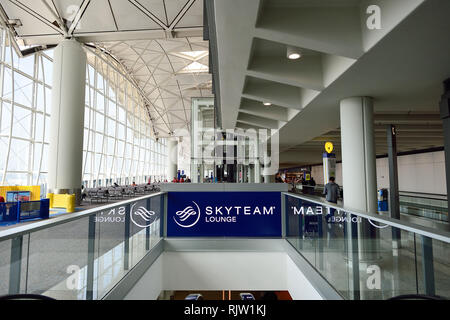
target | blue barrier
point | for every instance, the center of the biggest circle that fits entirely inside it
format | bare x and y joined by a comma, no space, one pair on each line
15,212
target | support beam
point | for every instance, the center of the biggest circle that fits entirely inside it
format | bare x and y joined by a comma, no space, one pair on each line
78,17
258,121
93,37
411,118
259,109
445,116
394,200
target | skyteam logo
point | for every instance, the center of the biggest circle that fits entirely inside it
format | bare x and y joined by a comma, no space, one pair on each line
141,217
189,217
224,214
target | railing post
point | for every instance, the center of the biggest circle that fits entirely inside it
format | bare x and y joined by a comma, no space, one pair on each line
353,255
320,239
147,230
428,266
283,215
126,260
15,265
301,224
18,211
163,210
91,258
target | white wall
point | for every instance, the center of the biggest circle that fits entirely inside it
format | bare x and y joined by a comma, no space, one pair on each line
417,173
150,285
212,271
224,271
298,286
317,174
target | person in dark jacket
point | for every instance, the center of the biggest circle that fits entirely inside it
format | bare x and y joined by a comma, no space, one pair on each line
331,193
312,186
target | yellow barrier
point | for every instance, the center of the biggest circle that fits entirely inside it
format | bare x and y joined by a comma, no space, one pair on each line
34,190
66,201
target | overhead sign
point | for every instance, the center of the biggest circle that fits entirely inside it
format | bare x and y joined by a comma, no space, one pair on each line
224,214
329,147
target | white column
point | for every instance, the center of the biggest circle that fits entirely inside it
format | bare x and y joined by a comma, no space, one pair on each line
251,176
359,167
257,162
67,119
329,167
173,159
202,173
194,172
269,179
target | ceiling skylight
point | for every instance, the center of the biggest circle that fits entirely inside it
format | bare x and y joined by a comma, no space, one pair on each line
195,67
191,55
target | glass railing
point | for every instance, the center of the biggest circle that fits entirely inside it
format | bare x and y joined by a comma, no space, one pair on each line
419,204
430,206
367,256
81,256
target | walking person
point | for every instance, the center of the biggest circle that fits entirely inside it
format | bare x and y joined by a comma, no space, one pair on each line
312,186
331,193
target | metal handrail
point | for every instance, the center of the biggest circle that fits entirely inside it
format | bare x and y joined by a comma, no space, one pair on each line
26,297
411,227
45,224
443,236
423,195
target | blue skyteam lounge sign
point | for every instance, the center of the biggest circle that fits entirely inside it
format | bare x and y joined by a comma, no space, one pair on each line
224,214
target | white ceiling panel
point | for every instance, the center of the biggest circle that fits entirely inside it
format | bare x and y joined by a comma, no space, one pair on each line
193,19
156,7
38,21
130,17
91,21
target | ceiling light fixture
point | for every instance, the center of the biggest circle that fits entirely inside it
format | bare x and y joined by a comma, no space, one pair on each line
293,53
267,104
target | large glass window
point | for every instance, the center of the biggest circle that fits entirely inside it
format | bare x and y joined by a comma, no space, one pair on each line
25,89
118,138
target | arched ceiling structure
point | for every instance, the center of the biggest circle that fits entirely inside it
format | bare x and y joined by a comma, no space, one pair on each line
159,42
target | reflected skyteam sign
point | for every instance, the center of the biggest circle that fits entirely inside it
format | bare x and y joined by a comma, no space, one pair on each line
224,214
